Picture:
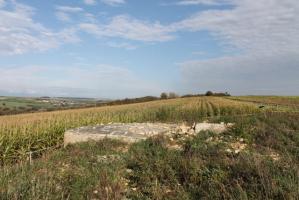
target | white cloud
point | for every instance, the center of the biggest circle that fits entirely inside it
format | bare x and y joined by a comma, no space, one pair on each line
122,45
62,16
90,2
243,74
266,34
90,17
19,33
126,27
201,2
67,35
113,2
2,3
93,81
69,9
275,24
268,26
63,13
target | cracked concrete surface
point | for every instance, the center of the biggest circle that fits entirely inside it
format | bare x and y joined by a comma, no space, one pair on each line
133,132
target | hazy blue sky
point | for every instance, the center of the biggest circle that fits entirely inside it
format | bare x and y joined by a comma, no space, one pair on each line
128,48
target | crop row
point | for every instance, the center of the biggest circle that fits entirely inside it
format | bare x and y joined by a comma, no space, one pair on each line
20,134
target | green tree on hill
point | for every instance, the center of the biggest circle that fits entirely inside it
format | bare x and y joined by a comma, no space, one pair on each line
163,95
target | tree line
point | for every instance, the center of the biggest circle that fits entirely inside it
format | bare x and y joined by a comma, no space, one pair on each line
164,95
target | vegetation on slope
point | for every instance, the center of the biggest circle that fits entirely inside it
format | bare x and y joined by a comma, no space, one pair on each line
17,105
207,167
20,134
287,102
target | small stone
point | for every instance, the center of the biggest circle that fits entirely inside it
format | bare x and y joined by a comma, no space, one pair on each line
274,156
168,191
175,147
238,147
191,132
217,128
229,150
184,128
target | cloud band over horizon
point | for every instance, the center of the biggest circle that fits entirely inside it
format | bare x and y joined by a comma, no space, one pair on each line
246,47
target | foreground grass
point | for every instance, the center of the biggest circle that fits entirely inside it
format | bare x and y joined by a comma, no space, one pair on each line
207,167
72,173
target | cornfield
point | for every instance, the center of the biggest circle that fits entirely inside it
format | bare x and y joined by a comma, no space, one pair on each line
20,134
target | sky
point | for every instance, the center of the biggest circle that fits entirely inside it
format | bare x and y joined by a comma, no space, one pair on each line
131,48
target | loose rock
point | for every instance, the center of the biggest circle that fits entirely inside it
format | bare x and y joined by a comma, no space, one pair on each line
217,128
133,132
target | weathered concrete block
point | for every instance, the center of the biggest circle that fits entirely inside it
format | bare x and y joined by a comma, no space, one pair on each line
126,132
134,132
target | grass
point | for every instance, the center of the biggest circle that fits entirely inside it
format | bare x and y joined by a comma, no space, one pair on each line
206,170
20,134
282,101
72,173
18,105
19,102
207,167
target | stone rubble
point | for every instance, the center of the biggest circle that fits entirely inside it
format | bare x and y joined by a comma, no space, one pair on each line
133,132
237,147
216,128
